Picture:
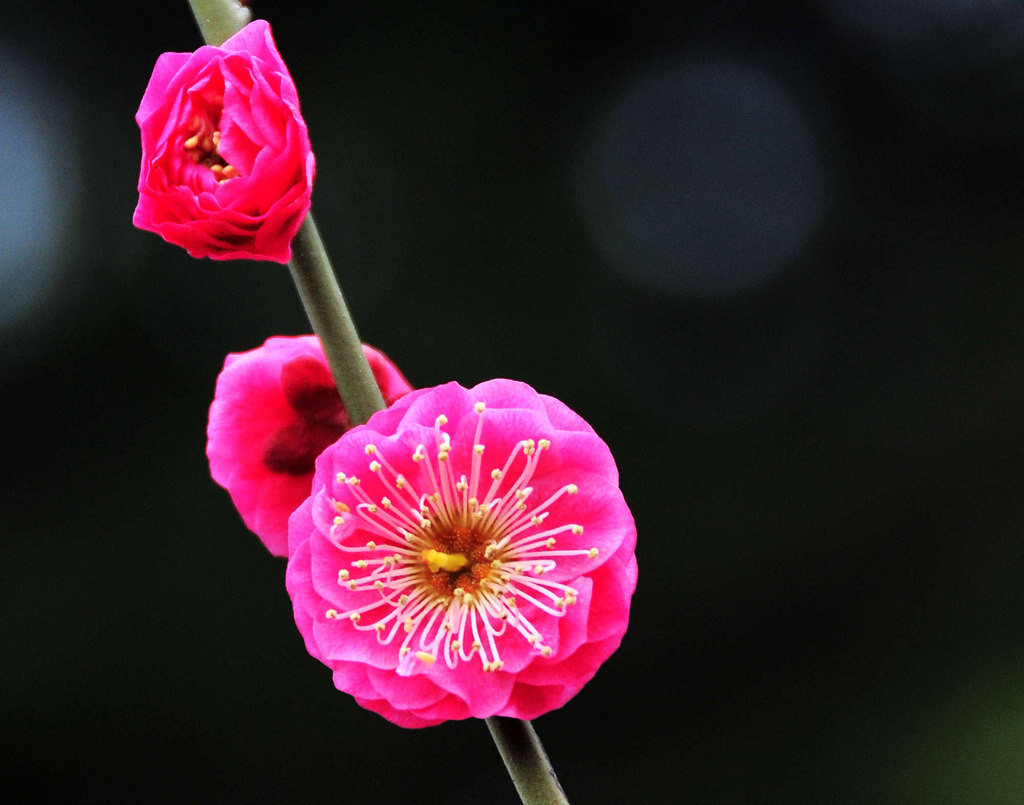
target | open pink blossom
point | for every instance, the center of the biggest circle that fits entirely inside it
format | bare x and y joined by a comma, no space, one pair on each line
275,409
227,169
466,553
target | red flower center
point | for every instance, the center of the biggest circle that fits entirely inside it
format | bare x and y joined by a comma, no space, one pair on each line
320,418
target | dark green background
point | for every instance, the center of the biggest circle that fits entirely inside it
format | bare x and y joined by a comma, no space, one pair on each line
825,471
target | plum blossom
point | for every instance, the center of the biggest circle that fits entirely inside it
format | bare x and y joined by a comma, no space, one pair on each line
465,553
227,168
275,409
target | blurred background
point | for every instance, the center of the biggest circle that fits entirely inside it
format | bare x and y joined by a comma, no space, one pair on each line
771,251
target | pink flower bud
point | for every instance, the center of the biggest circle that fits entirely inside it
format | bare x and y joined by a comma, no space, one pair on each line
227,169
275,409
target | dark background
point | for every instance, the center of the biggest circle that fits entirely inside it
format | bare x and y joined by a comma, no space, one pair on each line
771,251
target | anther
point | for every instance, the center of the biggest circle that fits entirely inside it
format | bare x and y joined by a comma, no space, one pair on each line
425,656
331,614
374,466
479,407
576,529
592,553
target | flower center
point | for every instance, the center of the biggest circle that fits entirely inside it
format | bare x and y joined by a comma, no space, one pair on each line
457,555
320,418
459,562
202,144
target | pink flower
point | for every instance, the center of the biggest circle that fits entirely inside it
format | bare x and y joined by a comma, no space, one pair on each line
227,169
466,553
275,409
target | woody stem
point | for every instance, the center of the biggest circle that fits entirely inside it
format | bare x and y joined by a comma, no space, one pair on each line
517,742
310,267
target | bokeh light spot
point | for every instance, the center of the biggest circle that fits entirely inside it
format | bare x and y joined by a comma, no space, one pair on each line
702,177
38,185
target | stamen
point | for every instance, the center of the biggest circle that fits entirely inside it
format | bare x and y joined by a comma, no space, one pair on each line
455,562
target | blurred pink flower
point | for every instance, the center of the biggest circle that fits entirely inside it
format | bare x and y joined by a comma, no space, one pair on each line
466,553
275,409
227,169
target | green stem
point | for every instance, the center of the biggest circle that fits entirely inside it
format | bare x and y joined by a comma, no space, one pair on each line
219,19
311,269
526,761
520,748
332,322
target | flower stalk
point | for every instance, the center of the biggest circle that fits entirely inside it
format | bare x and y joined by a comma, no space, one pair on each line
332,322
517,742
526,761
310,267
219,20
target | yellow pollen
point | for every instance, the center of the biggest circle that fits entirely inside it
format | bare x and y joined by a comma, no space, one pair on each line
592,553
192,142
436,560
331,614
425,656
341,507
479,407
